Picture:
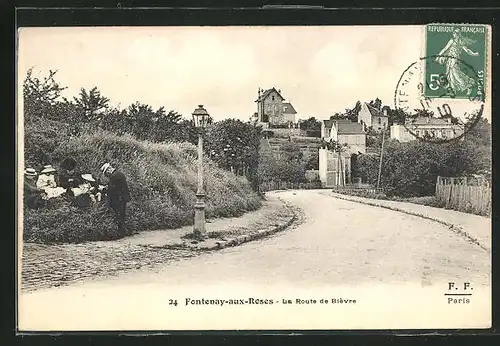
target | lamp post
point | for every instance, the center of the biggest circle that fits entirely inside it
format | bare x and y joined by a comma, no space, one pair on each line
200,119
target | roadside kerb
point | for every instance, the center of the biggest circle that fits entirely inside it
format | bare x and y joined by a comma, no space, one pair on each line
210,244
453,227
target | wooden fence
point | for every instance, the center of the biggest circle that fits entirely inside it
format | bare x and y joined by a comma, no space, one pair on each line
471,195
283,185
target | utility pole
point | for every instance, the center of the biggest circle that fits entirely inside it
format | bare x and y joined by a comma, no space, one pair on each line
381,156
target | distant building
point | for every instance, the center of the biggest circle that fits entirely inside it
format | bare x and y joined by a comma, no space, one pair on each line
426,126
346,133
370,116
334,169
272,110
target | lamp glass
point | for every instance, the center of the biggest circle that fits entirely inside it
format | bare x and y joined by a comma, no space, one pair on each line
200,117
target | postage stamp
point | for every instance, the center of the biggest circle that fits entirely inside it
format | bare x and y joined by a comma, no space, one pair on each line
457,64
451,118
258,186
441,96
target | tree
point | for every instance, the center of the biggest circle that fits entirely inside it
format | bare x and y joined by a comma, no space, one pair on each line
377,103
46,90
313,161
139,120
234,145
480,132
338,116
312,126
396,116
39,95
352,114
166,126
91,102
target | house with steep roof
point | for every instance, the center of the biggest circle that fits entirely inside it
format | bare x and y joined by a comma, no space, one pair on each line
335,168
370,116
272,110
427,127
350,134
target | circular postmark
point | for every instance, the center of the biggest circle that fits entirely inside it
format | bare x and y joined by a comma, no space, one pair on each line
439,99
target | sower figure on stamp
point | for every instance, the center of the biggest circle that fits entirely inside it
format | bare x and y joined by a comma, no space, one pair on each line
118,195
449,57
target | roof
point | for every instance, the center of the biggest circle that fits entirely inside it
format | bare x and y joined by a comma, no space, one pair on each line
349,128
288,108
328,123
429,121
374,111
345,126
267,92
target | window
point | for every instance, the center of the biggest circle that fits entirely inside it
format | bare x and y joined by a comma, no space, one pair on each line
273,97
379,121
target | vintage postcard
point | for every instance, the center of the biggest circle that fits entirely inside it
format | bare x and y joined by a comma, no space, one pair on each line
254,178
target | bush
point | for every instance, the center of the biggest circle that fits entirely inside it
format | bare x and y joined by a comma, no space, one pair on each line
162,179
41,138
411,169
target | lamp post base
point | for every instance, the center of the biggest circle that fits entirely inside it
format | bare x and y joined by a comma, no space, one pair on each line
199,216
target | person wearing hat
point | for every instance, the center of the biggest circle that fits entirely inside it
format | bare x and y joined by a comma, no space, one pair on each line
47,178
90,186
32,195
118,194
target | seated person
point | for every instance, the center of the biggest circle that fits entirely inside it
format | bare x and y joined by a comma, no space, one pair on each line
47,182
69,177
46,178
88,191
32,195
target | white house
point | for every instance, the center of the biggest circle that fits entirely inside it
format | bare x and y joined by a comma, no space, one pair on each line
370,116
426,126
346,133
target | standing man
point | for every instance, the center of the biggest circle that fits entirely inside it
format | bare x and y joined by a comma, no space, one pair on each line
118,194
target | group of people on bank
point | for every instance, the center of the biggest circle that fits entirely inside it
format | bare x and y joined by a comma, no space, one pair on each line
83,190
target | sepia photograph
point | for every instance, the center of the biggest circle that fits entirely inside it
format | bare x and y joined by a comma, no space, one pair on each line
254,178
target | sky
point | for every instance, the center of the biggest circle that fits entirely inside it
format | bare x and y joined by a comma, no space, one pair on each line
319,69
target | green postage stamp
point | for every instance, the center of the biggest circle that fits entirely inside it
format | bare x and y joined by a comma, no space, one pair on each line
456,61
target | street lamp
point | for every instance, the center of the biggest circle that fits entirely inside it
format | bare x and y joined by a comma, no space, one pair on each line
200,119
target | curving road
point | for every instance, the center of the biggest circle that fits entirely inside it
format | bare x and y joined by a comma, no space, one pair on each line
336,244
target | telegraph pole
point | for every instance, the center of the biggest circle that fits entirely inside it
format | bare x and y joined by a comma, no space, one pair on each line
381,156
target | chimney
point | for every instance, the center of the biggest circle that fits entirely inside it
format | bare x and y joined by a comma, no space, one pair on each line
428,120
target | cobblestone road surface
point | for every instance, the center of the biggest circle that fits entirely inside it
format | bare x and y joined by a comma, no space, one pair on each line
59,265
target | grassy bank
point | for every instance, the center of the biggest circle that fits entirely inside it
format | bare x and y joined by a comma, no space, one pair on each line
162,179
